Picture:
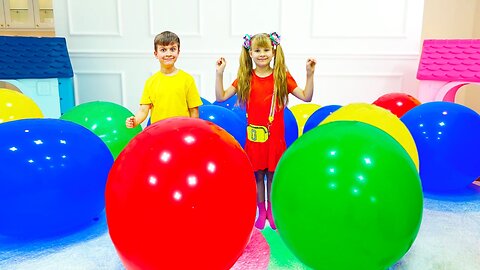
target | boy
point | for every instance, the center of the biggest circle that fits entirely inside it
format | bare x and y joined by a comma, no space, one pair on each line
170,92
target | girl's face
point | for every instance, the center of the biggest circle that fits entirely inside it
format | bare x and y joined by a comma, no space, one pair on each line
167,55
261,56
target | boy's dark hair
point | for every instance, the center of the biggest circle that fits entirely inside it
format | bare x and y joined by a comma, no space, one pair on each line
166,38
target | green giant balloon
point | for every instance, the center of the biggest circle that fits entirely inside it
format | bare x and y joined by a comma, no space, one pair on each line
346,195
107,121
280,256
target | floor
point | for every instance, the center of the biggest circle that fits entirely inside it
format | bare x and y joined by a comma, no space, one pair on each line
449,239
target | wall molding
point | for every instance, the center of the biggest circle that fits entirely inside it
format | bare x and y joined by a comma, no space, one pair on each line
402,35
151,17
234,55
397,75
121,75
95,33
361,74
235,35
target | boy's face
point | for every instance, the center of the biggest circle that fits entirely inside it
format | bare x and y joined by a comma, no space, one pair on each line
167,54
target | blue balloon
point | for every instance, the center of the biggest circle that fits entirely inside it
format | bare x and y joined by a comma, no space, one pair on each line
226,119
241,113
229,103
318,116
446,136
205,102
291,127
52,177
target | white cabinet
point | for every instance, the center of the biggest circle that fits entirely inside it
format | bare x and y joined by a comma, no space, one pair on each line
43,13
26,14
2,17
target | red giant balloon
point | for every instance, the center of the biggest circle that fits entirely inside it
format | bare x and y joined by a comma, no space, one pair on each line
397,103
181,195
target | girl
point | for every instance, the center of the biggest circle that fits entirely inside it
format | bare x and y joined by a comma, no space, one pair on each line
264,90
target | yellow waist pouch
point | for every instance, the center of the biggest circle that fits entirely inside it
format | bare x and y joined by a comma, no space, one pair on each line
257,133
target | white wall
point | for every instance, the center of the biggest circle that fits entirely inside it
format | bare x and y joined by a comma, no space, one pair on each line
364,48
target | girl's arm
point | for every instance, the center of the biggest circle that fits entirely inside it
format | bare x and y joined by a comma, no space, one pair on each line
307,93
220,94
139,117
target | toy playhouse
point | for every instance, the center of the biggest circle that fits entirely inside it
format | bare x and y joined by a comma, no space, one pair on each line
445,66
39,68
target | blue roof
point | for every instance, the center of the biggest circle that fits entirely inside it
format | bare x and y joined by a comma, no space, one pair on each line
34,58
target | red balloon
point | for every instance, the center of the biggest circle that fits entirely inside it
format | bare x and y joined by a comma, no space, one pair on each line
397,103
181,195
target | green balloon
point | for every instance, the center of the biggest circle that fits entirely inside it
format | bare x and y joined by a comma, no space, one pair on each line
107,121
346,195
280,256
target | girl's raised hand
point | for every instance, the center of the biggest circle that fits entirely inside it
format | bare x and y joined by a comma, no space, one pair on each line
221,63
311,62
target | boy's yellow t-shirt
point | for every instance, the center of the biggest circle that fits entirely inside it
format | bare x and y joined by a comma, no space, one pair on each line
170,95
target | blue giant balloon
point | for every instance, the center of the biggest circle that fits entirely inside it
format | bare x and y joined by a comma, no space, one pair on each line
318,116
52,177
226,119
446,136
241,113
229,103
205,102
291,127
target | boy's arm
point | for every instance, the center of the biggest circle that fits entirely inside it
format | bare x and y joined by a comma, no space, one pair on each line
194,112
307,93
139,117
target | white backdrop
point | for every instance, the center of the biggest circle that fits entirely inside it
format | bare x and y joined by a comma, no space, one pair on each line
364,48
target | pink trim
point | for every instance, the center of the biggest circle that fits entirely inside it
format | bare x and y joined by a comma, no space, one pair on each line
450,95
449,91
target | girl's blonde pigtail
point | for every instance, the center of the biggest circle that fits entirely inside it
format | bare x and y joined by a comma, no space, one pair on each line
244,76
280,76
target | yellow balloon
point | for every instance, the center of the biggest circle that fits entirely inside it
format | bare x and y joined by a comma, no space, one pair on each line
15,106
380,118
302,112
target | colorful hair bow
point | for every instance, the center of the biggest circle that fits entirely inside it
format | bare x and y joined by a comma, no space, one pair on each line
275,37
247,41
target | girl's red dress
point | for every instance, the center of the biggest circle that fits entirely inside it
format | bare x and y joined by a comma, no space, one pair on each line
267,154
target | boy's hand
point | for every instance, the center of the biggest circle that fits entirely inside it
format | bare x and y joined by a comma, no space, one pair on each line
221,63
130,122
311,62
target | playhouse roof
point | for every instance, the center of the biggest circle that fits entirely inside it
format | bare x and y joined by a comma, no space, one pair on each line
34,58
450,60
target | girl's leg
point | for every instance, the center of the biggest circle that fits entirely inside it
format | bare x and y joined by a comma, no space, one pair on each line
269,184
262,212
269,204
